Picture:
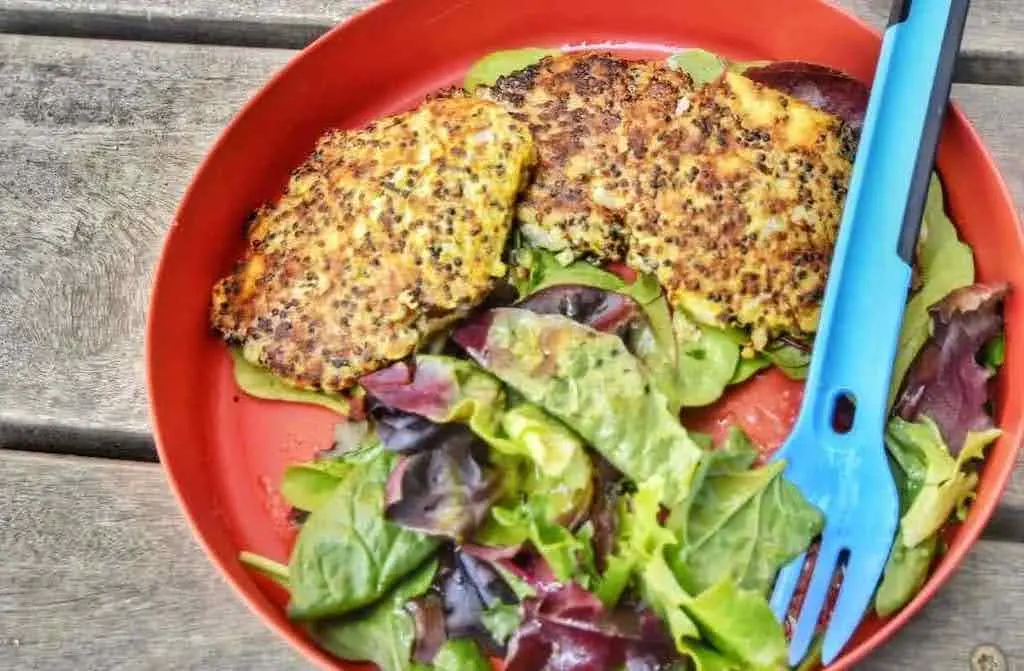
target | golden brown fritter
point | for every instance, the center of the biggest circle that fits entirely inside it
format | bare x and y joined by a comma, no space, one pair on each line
738,220
383,236
730,193
576,105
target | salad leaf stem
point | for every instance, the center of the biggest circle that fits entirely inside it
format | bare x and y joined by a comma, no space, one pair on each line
265,566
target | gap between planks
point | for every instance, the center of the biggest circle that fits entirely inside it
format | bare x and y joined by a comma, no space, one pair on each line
993,51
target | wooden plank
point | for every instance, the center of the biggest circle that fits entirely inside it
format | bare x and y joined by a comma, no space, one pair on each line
993,50
97,143
104,575
100,572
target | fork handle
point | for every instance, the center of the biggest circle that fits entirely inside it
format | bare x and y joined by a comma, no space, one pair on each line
866,292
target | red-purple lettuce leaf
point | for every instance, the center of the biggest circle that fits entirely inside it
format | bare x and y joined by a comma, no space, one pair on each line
435,387
822,87
406,433
535,453
946,383
605,311
428,615
470,589
568,629
448,490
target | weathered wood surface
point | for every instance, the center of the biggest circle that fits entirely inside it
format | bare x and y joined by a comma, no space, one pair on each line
100,572
97,142
993,44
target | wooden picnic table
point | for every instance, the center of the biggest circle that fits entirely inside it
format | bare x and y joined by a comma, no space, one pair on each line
106,108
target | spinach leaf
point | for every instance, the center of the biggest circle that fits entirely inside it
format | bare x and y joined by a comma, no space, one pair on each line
382,633
347,554
706,361
261,383
590,381
795,363
702,66
743,525
310,485
539,269
499,63
461,655
945,264
905,573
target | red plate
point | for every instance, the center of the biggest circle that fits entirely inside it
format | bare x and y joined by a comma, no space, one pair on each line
224,453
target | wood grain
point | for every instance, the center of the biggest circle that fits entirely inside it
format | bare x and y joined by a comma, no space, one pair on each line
100,572
97,142
107,576
993,47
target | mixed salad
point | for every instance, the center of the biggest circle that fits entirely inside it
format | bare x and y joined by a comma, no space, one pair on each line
524,487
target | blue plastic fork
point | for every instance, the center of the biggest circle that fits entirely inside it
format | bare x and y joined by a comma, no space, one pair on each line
843,469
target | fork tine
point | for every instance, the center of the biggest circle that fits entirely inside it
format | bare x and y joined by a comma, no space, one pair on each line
814,601
863,571
785,586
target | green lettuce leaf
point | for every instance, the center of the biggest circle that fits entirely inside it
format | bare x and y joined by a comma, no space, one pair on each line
938,485
569,556
742,525
502,620
945,264
261,383
748,368
994,354
487,70
382,633
347,554
641,548
905,573
706,361
737,622
740,624
461,655
591,382
691,363
702,66
704,658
